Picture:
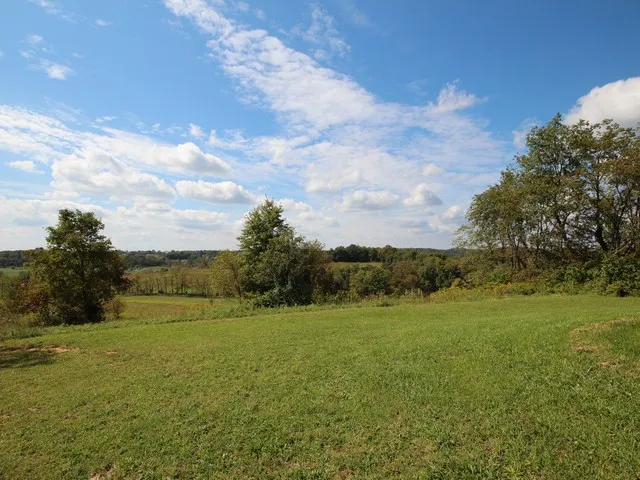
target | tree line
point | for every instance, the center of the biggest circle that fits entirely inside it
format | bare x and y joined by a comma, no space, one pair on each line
569,206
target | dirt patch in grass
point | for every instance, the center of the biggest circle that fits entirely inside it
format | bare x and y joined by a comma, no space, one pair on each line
57,349
609,343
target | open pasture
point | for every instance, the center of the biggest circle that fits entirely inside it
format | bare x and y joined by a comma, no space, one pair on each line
526,387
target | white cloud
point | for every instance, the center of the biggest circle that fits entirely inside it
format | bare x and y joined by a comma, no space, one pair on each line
56,71
323,34
618,100
432,170
355,15
221,192
34,39
93,172
52,8
105,118
102,23
422,196
25,165
451,99
520,134
369,200
195,130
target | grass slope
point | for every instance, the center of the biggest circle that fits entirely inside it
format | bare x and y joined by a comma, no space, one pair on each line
489,389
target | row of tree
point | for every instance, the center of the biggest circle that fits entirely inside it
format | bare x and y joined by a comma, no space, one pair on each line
572,199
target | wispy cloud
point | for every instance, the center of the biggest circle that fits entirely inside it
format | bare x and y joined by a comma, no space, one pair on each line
26,166
54,8
356,15
323,34
102,23
39,54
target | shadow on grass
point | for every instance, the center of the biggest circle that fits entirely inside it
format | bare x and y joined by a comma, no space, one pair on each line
11,357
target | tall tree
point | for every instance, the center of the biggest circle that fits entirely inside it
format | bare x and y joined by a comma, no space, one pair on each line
573,196
278,266
79,270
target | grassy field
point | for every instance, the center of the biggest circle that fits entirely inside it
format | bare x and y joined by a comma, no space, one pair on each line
157,306
11,272
528,387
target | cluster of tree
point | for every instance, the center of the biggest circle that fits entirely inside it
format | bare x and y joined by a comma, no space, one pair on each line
387,254
423,276
276,267
72,279
178,280
11,258
572,200
134,260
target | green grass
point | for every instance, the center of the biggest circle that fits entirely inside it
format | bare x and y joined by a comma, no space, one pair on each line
11,272
157,306
487,389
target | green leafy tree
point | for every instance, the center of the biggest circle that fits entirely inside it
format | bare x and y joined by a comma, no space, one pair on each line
78,272
278,266
226,275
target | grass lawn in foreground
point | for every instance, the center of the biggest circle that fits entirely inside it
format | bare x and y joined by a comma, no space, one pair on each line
487,389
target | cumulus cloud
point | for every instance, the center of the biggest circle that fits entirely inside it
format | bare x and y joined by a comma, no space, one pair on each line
221,192
102,23
95,173
617,100
422,196
369,200
25,165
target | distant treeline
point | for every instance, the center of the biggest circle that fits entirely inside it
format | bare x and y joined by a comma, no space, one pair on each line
387,254
11,258
135,260
154,258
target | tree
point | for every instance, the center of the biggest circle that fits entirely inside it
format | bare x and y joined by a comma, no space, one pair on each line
79,270
573,197
278,266
226,278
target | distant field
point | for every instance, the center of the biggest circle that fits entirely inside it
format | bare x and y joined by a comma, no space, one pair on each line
528,387
14,271
140,307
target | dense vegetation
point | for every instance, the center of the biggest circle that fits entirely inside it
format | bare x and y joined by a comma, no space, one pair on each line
569,208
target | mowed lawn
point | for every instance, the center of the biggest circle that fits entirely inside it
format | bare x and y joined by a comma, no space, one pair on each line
487,389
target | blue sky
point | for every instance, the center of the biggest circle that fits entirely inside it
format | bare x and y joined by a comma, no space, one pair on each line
373,122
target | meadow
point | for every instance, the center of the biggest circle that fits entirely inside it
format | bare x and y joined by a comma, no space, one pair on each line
519,387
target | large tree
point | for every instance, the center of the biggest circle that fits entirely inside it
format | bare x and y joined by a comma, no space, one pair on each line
573,196
79,270
278,266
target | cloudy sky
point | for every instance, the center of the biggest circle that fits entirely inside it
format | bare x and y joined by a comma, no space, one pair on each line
373,122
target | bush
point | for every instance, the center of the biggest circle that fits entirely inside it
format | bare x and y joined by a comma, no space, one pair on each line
114,309
619,276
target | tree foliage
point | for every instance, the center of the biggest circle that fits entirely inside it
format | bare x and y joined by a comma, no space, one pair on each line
78,272
278,266
573,197
226,278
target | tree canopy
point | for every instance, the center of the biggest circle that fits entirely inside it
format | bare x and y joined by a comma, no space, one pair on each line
78,271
